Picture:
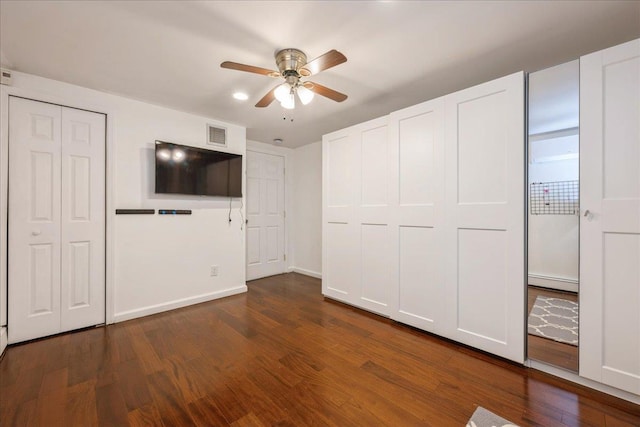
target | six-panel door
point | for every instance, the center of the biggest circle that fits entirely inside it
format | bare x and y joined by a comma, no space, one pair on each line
56,219
265,215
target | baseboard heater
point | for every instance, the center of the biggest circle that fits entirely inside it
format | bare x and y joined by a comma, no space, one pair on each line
135,211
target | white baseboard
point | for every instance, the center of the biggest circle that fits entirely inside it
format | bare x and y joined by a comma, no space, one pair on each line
550,282
3,339
159,308
570,376
306,272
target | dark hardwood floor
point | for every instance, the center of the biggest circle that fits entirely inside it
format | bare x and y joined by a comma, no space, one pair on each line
279,355
545,350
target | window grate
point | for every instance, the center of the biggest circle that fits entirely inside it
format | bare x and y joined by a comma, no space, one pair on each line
555,198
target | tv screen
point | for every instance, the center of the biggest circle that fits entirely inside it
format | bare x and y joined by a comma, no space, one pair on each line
189,170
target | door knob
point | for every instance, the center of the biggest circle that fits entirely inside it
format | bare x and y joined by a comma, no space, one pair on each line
35,232
588,215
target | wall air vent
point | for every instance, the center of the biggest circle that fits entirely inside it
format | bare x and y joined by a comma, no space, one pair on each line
5,77
216,135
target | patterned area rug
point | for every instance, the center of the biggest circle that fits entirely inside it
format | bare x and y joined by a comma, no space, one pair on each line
555,319
483,418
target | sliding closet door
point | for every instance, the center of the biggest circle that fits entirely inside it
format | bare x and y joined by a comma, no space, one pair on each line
416,136
356,225
372,212
340,237
610,224
485,183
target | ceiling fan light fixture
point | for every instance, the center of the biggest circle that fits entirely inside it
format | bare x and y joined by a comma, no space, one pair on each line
305,95
282,92
289,102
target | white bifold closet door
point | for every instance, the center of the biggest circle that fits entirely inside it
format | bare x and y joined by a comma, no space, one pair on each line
56,238
485,217
610,220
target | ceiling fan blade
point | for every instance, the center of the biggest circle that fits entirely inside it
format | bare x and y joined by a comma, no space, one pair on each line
325,91
249,69
267,99
323,62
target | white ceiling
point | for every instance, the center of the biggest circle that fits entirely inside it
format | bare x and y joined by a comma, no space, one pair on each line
399,52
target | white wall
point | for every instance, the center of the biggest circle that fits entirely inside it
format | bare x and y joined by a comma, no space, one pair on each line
154,262
553,239
307,209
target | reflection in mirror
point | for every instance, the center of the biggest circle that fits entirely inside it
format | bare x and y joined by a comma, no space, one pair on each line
553,215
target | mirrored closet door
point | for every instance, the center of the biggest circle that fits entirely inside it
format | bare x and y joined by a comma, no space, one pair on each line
553,217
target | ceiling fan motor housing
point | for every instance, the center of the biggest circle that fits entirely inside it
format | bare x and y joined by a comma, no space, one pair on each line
290,61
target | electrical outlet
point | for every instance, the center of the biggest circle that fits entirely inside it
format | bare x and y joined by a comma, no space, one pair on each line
214,270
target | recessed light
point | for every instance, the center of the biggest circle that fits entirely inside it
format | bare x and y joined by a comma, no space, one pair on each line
240,96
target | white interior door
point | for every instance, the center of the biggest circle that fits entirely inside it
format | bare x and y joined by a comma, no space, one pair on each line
484,232
610,224
265,215
56,219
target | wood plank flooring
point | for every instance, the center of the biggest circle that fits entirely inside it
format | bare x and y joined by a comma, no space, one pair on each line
279,355
549,351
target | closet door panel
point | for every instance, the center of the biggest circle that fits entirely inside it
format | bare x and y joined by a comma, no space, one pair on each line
416,137
483,289
374,290
419,288
610,220
373,214
34,220
340,260
485,286
82,219
340,232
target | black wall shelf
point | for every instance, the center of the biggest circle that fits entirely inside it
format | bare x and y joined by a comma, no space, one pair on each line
135,211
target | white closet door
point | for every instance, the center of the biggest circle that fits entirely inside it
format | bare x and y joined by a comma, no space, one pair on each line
265,215
610,224
56,219
340,237
34,219
82,219
357,256
416,163
373,215
485,182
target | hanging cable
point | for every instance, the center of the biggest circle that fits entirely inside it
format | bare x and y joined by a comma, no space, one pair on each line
230,199
241,214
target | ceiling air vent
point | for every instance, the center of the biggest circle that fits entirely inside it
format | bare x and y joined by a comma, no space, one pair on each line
216,135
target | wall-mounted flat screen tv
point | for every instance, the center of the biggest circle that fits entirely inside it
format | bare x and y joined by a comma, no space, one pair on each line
189,170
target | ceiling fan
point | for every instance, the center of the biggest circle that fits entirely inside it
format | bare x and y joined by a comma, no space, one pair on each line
292,65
